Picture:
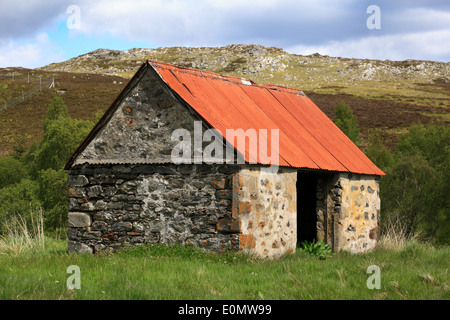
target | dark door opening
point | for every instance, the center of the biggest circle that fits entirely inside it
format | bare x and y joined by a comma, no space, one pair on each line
306,207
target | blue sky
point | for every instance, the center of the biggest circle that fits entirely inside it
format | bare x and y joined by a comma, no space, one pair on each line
35,33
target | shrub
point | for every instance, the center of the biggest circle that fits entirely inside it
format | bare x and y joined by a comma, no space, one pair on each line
346,121
52,193
378,153
61,137
11,171
415,189
57,109
45,185
18,199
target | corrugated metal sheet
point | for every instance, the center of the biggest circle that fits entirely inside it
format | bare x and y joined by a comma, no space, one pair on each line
307,137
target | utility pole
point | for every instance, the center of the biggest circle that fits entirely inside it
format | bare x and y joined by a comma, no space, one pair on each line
40,83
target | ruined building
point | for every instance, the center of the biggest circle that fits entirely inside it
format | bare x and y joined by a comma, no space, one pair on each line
127,187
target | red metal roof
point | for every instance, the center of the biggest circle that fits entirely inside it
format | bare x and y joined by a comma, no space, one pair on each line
307,137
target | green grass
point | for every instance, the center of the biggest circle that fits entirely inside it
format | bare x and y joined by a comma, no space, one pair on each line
417,271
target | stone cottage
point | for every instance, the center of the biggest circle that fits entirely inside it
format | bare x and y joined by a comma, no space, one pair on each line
128,184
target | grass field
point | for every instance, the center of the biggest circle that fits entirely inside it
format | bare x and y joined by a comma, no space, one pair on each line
416,271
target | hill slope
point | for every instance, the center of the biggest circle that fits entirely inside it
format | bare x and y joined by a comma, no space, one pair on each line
386,96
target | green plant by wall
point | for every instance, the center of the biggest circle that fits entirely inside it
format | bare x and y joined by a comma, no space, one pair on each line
319,249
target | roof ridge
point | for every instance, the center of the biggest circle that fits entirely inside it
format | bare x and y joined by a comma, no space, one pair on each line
204,73
283,89
233,79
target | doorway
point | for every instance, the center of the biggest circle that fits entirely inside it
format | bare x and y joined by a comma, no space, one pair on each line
306,207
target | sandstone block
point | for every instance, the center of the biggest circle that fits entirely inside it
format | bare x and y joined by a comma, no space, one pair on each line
77,181
77,247
79,220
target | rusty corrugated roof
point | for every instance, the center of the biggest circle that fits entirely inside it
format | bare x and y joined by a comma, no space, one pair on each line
307,137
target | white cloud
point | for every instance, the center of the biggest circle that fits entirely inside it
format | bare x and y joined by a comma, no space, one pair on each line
413,19
410,29
33,53
206,22
407,32
431,45
23,19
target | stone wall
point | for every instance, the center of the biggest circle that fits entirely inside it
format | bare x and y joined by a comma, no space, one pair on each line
111,206
325,214
266,206
354,203
348,211
215,207
141,125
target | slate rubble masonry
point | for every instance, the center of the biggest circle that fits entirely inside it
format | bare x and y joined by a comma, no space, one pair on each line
215,207
111,206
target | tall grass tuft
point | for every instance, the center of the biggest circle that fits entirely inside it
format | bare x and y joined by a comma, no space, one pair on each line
21,236
394,236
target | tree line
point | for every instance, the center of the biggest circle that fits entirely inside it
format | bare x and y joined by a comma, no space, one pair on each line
33,177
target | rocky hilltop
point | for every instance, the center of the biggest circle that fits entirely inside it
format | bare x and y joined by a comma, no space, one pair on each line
314,72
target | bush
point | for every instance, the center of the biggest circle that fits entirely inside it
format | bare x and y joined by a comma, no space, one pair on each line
432,142
36,178
52,193
11,171
57,109
18,199
346,121
61,137
378,153
414,191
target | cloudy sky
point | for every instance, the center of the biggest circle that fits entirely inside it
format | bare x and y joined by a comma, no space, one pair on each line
34,33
